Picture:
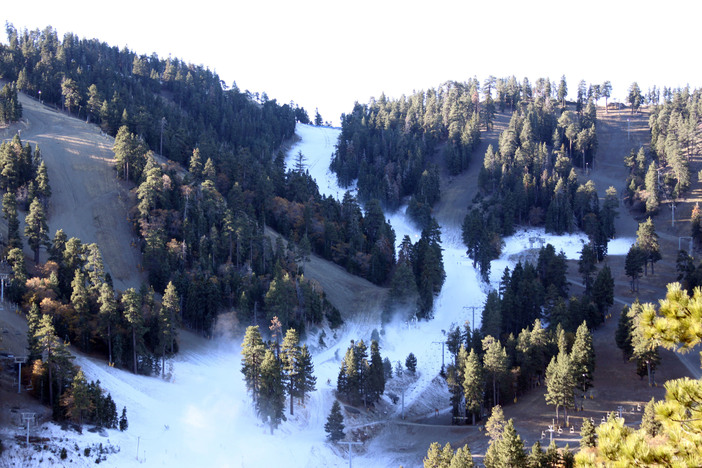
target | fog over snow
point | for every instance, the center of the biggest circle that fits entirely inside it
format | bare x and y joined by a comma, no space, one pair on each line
204,416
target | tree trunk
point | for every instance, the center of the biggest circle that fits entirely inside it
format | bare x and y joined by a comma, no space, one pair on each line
134,348
494,390
51,387
290,389
109,341
163,361
648,370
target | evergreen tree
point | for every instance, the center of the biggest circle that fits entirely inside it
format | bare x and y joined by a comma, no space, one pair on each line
649,422
438,457
462,458
624,329
334,426
473,384
77,399
560,383
652,200
304,374
80,302
647,241
495,425
253,351
9,212
123,422
167,322
537,457
387,369
411,363
644,350
270,403
36,228
376,374
107,312
588,437
495,363
634,264
603,292
289,357
582,357
58,358
507,451
131,302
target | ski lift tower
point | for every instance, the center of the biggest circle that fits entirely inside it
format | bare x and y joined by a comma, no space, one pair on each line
5,271
19,360
28,417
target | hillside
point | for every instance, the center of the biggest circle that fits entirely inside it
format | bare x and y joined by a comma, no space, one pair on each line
88,201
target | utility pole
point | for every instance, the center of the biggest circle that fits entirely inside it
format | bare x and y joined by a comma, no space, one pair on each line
442,351
472,323
403,404
351,450
19,360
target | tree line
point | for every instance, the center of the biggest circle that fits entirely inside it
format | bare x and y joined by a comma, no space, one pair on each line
10,107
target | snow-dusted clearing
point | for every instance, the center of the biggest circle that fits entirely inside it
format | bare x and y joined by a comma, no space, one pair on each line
204,417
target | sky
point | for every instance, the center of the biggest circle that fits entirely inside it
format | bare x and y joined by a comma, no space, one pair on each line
328,55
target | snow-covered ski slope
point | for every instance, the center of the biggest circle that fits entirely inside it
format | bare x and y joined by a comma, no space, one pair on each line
204,416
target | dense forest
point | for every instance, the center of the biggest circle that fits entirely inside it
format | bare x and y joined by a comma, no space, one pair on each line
388,146
205,229
531,178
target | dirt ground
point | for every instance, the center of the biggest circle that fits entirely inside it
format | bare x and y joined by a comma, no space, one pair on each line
87,200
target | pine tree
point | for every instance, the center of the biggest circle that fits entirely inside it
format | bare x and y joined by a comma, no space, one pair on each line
270,403
644,350
108,309
304,369
289,357
334,426
9,212
376,374
131,302
76,399
588,437
494,363
123,422
387,369
560,383
495,425
473,384
507,451
167,322
649,422
411,363
253,351
647,240
80,302
652,200
36,228
462,458
582,357
537,457
438,457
